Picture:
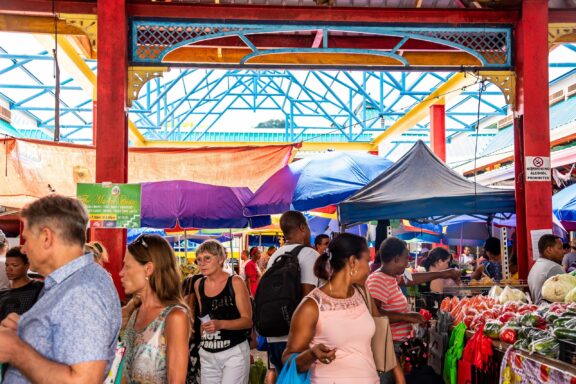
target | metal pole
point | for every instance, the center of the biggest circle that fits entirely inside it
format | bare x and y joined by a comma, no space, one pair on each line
504,253
185,245
231,245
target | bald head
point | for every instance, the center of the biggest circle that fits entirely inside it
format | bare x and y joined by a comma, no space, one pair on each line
295,227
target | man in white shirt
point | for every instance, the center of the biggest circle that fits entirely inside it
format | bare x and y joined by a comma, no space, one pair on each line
4,282
466,257
547,265
244,257
296,232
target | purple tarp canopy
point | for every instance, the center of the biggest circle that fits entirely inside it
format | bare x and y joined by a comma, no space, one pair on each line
195,205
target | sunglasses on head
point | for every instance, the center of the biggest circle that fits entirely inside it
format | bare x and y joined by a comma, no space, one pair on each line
98,247
140,241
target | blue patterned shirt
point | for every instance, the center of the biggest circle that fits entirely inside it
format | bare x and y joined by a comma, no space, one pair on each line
76,319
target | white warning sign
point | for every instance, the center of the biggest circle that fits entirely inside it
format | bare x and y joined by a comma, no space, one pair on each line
538,168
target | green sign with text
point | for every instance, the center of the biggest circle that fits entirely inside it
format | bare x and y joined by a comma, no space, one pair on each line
111,205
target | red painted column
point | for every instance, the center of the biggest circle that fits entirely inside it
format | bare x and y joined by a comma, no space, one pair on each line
438,130
112,130
532,125
519,183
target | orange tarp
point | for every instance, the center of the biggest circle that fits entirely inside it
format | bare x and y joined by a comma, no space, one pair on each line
32,168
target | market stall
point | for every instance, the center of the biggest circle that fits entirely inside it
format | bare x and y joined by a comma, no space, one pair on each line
420,185
503,337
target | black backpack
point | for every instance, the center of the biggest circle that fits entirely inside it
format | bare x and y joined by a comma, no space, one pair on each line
278,294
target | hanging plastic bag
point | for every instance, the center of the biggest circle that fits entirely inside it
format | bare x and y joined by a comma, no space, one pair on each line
257,372
454,354
290,375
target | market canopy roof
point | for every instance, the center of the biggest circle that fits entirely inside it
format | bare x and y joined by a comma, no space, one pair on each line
195,205
36,168
420,185
315,182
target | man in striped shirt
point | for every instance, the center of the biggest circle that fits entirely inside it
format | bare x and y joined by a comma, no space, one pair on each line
384,287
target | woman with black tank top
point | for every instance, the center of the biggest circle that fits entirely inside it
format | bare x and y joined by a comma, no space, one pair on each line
226,317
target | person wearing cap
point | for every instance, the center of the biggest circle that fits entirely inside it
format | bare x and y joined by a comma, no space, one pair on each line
4,282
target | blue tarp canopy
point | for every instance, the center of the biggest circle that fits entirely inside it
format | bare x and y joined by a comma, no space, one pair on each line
315,182
420,185
564,207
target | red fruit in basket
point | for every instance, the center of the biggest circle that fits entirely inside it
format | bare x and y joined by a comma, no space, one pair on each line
507,316
511,306
558,308
508,335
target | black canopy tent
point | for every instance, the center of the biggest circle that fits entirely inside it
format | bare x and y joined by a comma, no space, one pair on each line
420,185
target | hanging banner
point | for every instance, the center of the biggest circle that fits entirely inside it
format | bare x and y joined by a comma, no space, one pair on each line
538,168
111,205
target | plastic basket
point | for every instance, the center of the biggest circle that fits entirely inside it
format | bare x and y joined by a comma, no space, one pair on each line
568,351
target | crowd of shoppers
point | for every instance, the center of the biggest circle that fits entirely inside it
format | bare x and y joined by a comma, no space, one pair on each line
198,330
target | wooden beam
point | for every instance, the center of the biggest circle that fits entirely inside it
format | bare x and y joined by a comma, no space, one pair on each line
36,24
273,13
233,56
311,14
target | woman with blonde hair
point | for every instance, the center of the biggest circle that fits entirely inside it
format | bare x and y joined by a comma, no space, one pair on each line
157,333
226,316
98,251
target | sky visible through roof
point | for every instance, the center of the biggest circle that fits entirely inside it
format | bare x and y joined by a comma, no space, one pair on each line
209,103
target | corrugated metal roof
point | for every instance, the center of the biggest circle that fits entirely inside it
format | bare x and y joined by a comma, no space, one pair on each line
563,113
560,115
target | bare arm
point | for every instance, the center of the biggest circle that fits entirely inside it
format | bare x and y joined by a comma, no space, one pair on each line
177,354
425,277
477,274
398,317
40,370
302,330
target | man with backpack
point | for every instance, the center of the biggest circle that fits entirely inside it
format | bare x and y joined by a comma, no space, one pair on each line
284,284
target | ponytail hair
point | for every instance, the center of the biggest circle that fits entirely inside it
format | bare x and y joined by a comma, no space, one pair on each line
339,250
435,255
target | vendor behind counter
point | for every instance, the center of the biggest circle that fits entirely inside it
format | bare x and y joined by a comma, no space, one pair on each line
548,265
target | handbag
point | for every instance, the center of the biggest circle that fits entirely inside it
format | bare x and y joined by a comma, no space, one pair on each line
115,374
382,343
290,375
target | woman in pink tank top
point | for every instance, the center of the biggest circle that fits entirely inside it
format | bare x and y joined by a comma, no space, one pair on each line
332,328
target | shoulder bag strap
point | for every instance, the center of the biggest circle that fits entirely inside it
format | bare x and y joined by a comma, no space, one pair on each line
366,296
202,298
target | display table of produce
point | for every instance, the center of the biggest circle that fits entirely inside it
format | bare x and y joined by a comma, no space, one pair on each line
510,340
521,367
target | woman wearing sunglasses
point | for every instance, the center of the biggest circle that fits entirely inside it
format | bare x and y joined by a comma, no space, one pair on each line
156,334
226,316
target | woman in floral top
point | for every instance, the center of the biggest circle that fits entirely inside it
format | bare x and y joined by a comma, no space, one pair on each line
156,345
